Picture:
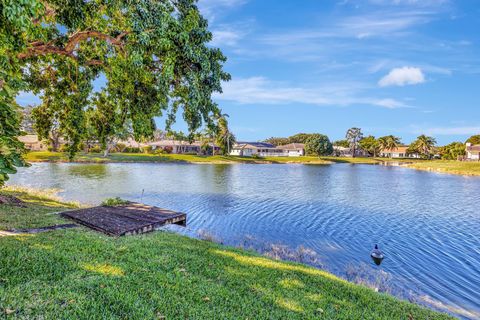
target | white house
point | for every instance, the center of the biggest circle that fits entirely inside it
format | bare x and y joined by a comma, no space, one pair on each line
473,151
398,152
261,149
179,147
293,149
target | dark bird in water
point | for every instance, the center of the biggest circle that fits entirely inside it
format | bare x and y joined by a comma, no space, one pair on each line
377,255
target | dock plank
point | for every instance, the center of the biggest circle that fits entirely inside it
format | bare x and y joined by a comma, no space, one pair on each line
129,219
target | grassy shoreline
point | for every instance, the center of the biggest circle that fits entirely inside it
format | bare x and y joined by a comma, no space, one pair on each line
78,273
46,156
440,166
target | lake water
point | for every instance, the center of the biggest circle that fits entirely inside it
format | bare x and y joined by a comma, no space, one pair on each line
330,216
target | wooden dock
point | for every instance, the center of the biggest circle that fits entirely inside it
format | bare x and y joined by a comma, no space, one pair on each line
129,219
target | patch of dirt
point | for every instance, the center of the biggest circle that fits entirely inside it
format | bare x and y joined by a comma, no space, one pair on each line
11,200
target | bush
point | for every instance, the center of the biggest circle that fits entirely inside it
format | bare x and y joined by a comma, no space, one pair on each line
95,149
256,156
147,149
132,150
120,147
112,202
168,149
63,148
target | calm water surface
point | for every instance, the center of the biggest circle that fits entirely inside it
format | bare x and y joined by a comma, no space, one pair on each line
428,224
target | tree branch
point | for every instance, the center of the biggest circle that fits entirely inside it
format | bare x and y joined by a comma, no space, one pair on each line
38,48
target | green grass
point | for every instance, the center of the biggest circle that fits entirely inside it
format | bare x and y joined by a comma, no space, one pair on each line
453,167
80,274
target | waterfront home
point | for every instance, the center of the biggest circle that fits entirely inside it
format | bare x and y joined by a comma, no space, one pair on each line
293,149
340,151
260,149
32,143
473,151
182,147
398,152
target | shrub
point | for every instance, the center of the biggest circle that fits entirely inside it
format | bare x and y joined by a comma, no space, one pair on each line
256,156
95,149
112,202
132,150
63,148
147,149
120,147
168,149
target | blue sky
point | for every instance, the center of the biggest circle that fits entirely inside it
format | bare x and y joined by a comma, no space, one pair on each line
402,67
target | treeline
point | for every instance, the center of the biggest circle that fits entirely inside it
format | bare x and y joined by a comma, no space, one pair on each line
424,146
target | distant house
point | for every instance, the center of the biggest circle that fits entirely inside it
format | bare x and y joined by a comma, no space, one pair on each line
473,151
293,149
32,143
261,149
179,147
340,151
398,152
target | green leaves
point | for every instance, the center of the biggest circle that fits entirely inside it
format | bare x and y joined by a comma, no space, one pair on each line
153,55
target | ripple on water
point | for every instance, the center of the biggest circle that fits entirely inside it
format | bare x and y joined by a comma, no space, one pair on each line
426,223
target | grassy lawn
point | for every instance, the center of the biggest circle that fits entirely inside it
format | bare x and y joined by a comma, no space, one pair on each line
80,274
454,167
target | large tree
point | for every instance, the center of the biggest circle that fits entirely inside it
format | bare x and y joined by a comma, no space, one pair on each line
224,137
353,136
423,145
389,142
370,145
452,151
474,139
319,145
152,54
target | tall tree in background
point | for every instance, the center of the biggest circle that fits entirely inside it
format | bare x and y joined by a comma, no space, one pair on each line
389,142
370,145
342,143
423,145
353,136
277,141
225,138
153,55
474,139
452,151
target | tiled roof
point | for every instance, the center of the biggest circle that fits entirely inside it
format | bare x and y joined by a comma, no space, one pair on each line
292,146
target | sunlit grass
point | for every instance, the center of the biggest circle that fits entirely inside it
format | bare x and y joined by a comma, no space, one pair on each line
82,274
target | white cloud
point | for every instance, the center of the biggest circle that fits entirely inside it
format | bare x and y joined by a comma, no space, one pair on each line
225,38
390,103
211,8
259,90
402,76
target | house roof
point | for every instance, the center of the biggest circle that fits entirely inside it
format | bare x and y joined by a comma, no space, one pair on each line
292,146
29,138
172,143
262,145
475,147
399,149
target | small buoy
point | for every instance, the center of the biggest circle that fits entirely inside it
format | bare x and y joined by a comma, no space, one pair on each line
377,255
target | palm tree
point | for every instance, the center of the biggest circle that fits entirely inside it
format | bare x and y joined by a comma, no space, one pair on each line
225,138
424,145
353,136
389,143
